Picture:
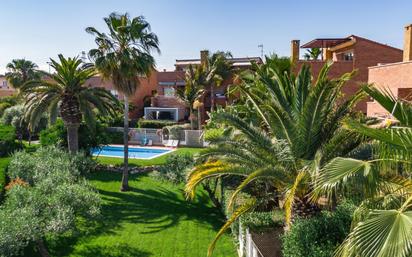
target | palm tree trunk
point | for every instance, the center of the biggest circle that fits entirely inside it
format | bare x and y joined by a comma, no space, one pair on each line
212,98
192,119
42,248
125,177
199,118
72,137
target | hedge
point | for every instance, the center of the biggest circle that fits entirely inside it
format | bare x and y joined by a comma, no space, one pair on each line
156,124
8,142
3,166
318,236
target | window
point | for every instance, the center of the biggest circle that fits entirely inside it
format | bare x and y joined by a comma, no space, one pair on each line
169,91
348,56
4,84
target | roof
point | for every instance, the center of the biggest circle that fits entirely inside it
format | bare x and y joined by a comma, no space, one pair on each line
325,42
235,61
331,42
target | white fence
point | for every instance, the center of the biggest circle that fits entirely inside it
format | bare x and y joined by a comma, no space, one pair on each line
190,138
247,247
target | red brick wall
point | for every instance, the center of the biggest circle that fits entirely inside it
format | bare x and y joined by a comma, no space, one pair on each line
393,76
366,53
147,85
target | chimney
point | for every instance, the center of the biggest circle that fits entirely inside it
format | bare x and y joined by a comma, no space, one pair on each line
327,54
407,44
294,45
204,55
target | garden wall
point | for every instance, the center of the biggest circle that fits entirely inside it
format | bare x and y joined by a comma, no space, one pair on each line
190,138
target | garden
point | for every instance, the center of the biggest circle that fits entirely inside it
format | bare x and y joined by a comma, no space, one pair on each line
291,169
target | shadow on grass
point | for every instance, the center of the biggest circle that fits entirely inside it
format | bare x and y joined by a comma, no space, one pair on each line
158,208
121,250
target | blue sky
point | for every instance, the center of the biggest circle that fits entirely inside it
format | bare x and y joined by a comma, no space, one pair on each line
38,30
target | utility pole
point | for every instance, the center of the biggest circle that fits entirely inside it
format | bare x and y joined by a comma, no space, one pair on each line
261,50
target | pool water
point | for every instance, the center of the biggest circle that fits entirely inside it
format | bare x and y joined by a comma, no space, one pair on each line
134,152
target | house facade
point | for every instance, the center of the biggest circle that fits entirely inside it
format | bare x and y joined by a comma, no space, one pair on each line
347,54
395,77
5,88
165,105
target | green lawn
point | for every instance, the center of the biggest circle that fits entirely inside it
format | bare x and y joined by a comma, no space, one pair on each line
153,219
156,161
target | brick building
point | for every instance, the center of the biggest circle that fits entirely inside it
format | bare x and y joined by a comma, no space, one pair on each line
347,54
165,105
395,77
5,89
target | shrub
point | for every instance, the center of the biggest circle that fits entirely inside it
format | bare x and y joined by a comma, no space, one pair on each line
258,221
57,135
3,166
175,131
14,116
3,107
175,168
115,137
8,142
48,205
23,165
157,124
318,236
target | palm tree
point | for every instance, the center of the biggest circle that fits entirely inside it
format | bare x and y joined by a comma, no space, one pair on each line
65,92
382,225
313,54
21,71
195,79
123,55
222,68
297,132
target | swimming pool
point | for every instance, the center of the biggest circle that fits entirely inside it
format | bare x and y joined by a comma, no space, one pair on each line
134,152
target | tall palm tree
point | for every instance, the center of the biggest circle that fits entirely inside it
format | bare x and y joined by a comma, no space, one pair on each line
297,132
222,68
123,55
195,79
382,225
20,71
65,92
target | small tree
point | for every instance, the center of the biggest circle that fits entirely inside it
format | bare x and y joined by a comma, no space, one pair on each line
195,79
45,196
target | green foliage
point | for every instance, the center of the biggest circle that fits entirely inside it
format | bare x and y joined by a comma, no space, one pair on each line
175,131
157,124
318,236
4,162
258,221
14,116
8,142
175,168
49,205
213,134
115,137
25,165
88,139
3,107
154,213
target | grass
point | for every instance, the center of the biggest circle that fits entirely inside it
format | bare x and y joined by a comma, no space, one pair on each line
139,162
152,219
